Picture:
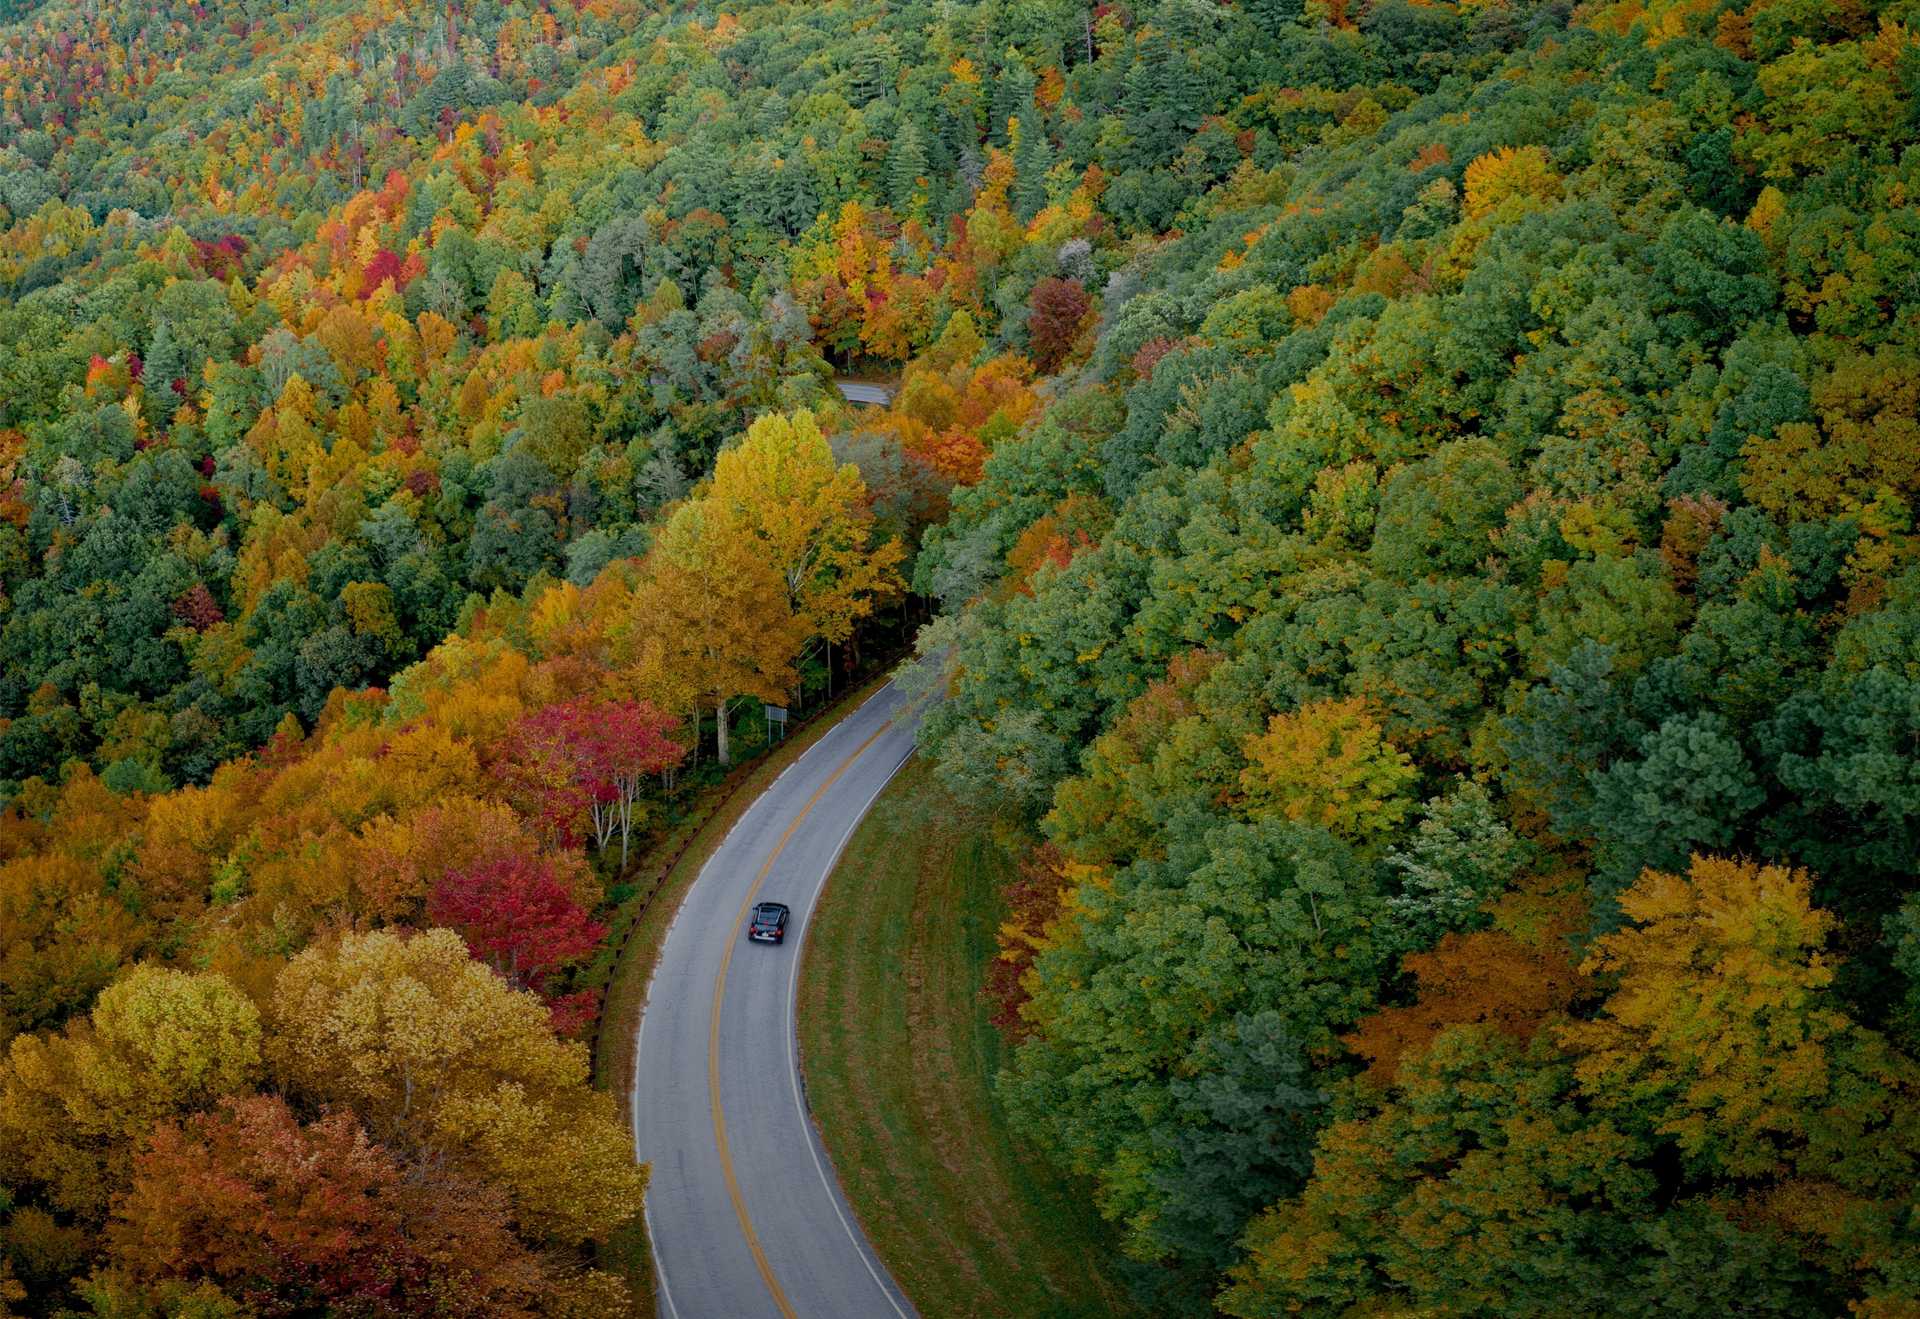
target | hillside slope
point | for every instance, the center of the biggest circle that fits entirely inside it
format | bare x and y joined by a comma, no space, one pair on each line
1451,640
1420,495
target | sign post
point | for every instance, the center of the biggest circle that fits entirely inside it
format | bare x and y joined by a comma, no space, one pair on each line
776,714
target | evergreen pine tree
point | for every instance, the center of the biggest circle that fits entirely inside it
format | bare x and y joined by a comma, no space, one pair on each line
1031,160
1012,95
906,168
1274,16
870,71
167,361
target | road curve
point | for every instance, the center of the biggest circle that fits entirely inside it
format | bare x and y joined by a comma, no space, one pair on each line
744,1208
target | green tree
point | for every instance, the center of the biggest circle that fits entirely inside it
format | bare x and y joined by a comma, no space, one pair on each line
1459,856
1483,1184
1437,516
1688,787
1239,1133
907,171
1032,158
1128,1003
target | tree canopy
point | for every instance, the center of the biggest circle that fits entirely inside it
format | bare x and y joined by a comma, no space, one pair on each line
1419,498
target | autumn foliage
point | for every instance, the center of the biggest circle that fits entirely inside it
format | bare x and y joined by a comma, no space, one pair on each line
1486,978
1328,764
283,1216
407,1128
1453,605
1034,902
517,917
1418,500
591,761
1053,323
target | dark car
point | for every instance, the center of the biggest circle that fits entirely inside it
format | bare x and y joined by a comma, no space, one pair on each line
769,923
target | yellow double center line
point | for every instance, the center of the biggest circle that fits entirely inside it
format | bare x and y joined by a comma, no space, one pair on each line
713,1033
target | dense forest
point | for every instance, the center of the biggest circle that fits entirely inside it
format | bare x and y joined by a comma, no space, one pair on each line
1454,634
1420,497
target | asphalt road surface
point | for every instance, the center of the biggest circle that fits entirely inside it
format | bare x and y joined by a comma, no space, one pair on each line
744,1209
865,391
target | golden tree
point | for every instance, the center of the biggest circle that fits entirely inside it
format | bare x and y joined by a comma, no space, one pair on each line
438,1056
75,1106
710,619
780,489
1328,764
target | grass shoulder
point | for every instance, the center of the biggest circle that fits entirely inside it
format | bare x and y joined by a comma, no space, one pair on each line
899,1057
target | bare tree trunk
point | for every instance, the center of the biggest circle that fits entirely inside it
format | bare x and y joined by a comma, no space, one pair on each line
720,731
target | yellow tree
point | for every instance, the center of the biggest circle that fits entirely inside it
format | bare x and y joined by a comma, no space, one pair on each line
1328,764
287,438
710,619
1510,174
1722,1029
74,1107
809,518
435,1054
1723,1034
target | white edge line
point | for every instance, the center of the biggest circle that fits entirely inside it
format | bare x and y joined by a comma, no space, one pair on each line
659,1271
887,1286
640,1031
633,1128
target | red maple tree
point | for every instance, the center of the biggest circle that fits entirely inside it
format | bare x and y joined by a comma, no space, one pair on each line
516,916
591,759
197,608
1054,316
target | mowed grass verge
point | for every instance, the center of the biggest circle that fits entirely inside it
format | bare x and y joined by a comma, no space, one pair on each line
899,1057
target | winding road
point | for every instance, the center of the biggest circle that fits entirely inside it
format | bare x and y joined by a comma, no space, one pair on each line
744,1209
